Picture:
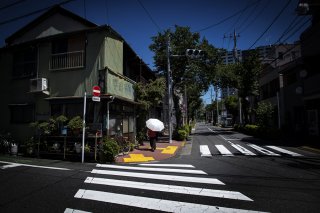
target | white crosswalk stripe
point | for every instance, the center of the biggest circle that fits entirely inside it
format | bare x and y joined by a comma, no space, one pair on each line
160,177
108,176
263,150
204,150
242,149
284,151
223,150
152,203
168,188
232,149
152,169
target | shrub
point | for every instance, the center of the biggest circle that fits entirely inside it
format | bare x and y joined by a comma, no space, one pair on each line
251,129
110,149
75,123
180,135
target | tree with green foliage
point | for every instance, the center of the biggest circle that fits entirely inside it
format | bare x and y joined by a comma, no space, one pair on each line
264,114
244,76
149,95
231,104
195,73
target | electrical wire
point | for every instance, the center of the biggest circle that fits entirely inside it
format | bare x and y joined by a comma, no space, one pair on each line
149,15
273,21
33,13
225,19
255,18
12,4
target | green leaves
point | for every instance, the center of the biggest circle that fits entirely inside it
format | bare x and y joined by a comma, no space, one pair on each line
150,94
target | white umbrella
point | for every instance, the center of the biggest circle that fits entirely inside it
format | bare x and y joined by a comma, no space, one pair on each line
155,124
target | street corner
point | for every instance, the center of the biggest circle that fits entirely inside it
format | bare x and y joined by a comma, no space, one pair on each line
144,153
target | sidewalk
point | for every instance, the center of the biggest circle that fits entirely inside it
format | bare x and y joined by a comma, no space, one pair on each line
164,150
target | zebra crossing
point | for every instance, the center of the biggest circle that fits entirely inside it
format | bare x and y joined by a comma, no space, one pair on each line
232,149
177,179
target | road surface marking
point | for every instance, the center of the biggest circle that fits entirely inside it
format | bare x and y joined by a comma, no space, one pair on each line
204,150
29,165
284,151
223,150
68,210
168,150
169,188
263,150
222,135
151,203
166,165
160,177
186,171
137,158
241,149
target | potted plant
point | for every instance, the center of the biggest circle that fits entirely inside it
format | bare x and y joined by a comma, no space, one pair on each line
30,145
75,124
61,120
86,148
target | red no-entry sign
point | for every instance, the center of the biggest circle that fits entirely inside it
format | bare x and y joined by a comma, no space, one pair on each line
96,91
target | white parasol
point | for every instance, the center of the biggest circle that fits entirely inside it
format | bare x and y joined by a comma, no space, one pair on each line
155,124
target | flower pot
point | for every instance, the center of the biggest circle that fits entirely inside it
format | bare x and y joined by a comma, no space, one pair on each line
14,149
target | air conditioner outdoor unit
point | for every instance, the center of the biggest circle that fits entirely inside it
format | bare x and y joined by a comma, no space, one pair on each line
38,85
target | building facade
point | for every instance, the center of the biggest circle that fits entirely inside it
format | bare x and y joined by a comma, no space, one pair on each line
48,66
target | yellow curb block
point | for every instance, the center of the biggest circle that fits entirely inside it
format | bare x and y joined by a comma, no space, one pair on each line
137,158
311,149
168,150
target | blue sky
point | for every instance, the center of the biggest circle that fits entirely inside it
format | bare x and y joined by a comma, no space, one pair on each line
138,20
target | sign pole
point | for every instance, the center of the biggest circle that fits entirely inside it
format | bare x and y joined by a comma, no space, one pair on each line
84,124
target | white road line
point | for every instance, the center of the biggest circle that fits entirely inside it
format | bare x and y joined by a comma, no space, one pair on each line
160,177
241,149
167,165
169,188
204,150
284,150
226,139
35,166
263,150
223,150
68,210
151,203
186,171
9,166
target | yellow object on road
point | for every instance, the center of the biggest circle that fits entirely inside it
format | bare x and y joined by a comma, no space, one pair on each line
137,158
168,150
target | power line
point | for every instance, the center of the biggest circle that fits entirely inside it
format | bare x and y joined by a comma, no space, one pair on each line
256,17
149,15
12,4
225,19
248,16
238,19
33,13
273,21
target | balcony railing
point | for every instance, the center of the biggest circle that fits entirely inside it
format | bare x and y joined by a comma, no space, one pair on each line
68,60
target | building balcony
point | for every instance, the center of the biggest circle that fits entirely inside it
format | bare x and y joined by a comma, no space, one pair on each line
68,60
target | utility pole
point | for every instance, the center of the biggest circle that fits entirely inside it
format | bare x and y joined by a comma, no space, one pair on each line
235,55
169,90
217,105
211,105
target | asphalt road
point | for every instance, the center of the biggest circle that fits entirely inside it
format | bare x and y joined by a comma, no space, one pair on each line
229,173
